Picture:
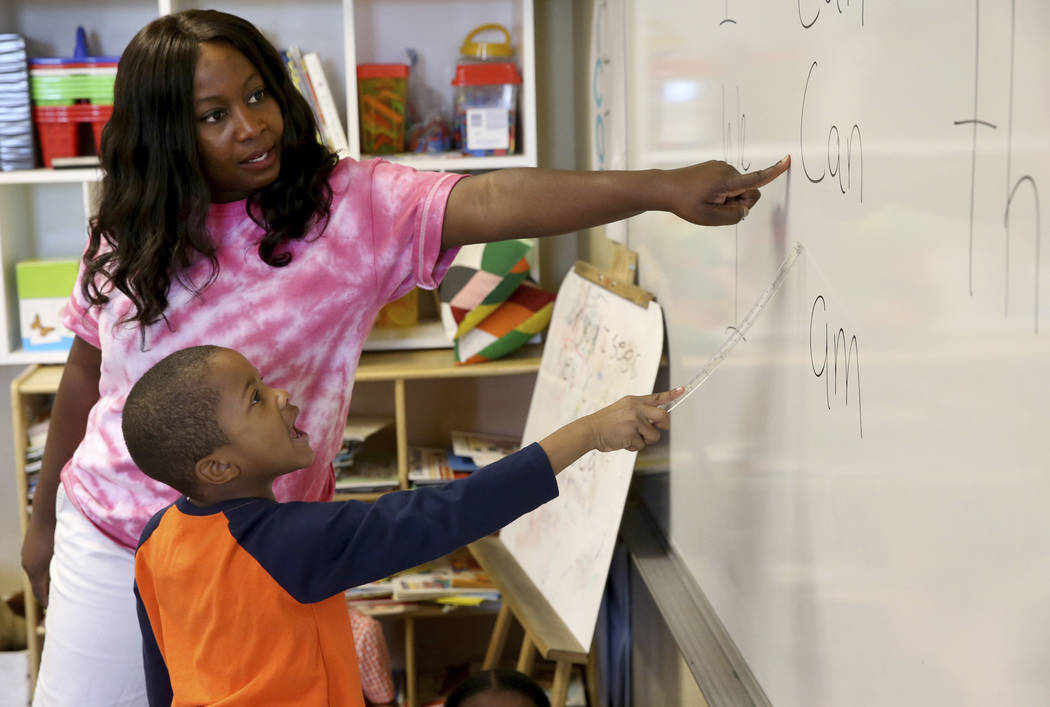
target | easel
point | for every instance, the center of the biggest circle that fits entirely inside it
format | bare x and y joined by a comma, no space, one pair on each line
545,632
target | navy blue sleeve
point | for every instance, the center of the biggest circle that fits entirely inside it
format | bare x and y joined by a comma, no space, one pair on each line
158,681
316,550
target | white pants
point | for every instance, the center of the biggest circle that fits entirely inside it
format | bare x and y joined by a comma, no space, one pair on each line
92,647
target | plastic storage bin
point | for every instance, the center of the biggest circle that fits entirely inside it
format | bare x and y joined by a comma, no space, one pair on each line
67,93
486,105
59,129
382,92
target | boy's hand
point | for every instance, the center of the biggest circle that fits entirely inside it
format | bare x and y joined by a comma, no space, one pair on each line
632,422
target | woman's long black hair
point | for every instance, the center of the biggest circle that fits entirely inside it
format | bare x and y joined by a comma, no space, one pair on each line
154,196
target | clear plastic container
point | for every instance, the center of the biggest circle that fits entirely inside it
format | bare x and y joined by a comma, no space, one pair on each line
486,105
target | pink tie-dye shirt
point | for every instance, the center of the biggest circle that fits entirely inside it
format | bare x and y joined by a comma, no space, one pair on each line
302,326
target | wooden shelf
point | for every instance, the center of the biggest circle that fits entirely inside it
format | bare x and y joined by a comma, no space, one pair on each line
51,176
374,366
440,363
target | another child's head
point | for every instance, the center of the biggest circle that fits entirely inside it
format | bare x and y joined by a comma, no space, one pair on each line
202,421
498,688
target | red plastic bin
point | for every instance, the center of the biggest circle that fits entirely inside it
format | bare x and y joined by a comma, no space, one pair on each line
58,128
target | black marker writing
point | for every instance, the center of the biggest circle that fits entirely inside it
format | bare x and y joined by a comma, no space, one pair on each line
850,351
1029,182
816,12
1026,183
727,20
834,168
974,121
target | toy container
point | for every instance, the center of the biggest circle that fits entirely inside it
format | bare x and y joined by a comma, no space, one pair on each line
69,95
382,92
474,50
43,288
486,108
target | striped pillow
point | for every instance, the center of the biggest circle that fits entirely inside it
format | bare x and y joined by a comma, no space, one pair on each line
512,323
480,279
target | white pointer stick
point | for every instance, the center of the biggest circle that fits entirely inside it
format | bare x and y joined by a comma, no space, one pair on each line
738,331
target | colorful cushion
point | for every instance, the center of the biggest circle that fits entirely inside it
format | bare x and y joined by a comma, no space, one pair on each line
481,278
510,324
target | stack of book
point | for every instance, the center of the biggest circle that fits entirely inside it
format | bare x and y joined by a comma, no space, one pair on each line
365,462
428,466
307,74
469,452
16,119
36,437
453,580
473,450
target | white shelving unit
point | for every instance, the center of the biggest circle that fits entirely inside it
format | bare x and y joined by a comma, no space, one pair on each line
44,213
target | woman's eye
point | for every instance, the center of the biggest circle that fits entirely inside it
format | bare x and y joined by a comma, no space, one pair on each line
212,116
255,397
257,96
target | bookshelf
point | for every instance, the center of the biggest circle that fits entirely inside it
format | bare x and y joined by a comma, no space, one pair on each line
37,384
44,212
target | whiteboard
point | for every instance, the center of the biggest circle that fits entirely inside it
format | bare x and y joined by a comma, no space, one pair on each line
599,348
871,527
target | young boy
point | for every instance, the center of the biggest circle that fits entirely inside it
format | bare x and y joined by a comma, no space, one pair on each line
240,598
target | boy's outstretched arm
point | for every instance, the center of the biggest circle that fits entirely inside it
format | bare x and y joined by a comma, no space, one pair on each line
528,202
631,423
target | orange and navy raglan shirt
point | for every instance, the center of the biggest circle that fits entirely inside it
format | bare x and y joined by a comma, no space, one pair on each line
242,602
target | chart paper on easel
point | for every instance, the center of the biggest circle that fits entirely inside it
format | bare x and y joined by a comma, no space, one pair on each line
599,348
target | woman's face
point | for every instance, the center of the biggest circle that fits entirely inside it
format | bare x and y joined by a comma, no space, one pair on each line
239,124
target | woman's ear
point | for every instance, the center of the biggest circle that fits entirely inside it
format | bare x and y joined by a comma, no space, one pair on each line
213,469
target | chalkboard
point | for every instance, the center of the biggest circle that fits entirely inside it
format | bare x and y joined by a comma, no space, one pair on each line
862,489
599,347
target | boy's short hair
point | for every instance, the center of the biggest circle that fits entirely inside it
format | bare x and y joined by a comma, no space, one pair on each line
170,419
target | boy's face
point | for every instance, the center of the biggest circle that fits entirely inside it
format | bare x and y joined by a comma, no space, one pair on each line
239,124
258,420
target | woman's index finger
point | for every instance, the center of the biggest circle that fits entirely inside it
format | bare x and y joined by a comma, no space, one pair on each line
754,180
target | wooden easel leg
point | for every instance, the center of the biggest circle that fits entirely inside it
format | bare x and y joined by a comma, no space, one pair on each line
560,690
527,656
499,638
592,677
410,662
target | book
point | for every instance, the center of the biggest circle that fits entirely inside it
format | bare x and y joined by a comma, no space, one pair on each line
365,462
367,475
483,448
427,465
373,590
456,574
293,61
335,136
458,463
